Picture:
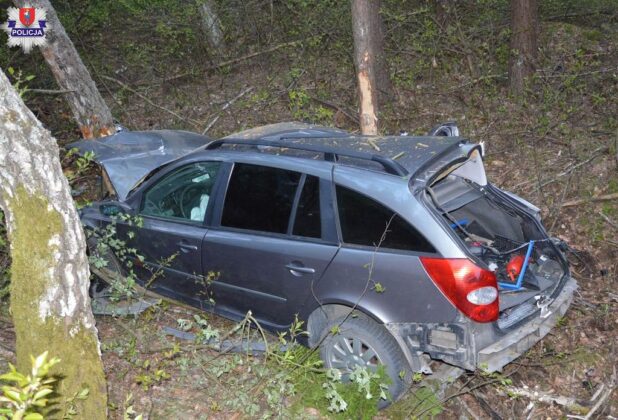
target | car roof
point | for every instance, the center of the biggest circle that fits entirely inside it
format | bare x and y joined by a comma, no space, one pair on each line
129,156
410,152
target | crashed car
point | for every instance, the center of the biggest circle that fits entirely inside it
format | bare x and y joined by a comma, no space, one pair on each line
392,250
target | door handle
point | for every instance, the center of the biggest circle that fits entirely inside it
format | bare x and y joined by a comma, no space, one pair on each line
299,270
186,247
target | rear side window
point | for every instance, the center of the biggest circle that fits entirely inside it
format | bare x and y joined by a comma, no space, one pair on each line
365,221
260,198
307,221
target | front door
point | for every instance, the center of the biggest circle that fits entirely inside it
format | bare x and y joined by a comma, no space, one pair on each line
172,229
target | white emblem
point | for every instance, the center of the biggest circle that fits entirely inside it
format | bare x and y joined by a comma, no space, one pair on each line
26,27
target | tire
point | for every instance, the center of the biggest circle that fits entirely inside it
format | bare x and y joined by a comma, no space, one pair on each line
355,344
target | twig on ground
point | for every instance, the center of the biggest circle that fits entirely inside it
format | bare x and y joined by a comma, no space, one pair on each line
130,89
609,241
596,153
459,393
477,80
599,403
226,106
608,220
586,73
255,54
540,396
606,197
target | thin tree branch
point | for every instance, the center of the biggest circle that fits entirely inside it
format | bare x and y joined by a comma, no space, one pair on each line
255,54
606,197
127,87
226,106
51,91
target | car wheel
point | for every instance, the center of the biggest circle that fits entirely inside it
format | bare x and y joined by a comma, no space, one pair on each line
360,341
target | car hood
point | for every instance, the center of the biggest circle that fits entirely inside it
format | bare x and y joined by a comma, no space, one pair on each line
128,156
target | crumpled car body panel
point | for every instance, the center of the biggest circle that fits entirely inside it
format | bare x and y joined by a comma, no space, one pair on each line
128,156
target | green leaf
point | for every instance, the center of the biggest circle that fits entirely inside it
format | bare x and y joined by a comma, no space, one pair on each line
11,394
12,377
39,361
43,393
33,416
83,394
379,288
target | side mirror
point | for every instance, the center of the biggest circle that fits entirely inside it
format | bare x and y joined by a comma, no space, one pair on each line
448,129
114,208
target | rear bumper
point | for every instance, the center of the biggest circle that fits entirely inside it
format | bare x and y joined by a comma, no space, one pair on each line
497,355
471,345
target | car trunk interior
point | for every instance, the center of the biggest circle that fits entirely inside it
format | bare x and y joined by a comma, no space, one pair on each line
504,238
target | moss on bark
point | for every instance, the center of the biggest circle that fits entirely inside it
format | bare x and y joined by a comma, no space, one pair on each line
34,225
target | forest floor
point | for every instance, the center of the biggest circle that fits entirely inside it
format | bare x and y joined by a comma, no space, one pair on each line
556,148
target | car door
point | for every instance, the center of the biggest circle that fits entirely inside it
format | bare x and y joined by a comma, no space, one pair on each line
271,243
172,214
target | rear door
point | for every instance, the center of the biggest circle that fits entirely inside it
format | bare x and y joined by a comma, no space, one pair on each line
378,269
272,242
172,214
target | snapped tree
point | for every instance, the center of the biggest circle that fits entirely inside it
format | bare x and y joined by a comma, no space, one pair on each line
524,15
371,70
50,305
87,105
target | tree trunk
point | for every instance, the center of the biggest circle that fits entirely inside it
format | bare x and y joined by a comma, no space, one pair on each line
89,109
384,87
364,60
211,25
50,305
523,43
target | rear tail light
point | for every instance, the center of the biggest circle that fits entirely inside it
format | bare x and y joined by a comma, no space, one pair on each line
471,289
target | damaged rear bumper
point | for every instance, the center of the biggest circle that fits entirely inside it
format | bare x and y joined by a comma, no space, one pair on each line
472,345
497,355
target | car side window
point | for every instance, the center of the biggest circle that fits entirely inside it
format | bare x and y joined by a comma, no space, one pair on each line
260,198
183,194
364,221
307,222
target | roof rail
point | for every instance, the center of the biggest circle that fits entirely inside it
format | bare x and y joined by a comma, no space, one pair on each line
330,153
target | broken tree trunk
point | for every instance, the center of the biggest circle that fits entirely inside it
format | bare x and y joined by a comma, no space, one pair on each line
523,43
364,60
87,105
384,87
50,304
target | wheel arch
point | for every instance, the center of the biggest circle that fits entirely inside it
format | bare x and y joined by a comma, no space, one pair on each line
321,315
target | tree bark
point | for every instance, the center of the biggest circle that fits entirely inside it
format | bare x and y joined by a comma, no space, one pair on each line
50,305
384,87
524,15
87,105
365,62
211,24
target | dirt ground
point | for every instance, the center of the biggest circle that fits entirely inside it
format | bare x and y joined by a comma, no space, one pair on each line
557,149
